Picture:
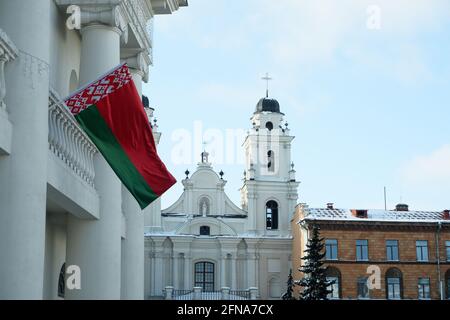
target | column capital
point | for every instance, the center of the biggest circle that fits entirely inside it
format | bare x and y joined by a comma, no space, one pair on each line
8,52
100,12
136,61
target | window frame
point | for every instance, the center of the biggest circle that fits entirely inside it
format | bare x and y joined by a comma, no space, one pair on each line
389,249
333,246
421,247
359,282
421,288
359,250
207,286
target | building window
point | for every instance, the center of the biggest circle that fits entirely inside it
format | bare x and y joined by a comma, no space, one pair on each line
205,231
271,161
271,215
331,249
424,288
363,288
447,249
204,276
422,250
394,284
62,281
334,275
392,250
362,250
269,126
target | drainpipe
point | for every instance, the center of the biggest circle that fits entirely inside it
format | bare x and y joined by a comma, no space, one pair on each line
441,292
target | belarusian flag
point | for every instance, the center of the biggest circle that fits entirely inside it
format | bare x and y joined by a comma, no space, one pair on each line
110,111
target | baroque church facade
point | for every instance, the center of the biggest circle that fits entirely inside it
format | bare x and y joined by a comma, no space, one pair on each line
204,240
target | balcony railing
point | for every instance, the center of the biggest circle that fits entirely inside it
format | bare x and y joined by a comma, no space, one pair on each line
198,294
68,142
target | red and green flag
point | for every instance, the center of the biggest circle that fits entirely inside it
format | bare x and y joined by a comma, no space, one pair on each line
111,112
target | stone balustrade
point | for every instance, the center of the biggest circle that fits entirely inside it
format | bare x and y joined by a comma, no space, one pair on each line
68,142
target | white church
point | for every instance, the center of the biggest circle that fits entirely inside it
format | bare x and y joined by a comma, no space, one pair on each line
205,242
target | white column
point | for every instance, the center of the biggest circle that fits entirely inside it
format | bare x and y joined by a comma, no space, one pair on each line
95,246
133,245
233,272
23,173
188,283
223,270
176,271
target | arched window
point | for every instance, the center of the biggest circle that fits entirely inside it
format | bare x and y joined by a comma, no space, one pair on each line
394,284
205,231
271,215
62,281
269,126
270,161
204,206
333,274
204,276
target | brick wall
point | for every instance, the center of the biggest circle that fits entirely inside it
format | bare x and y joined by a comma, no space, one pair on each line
377,235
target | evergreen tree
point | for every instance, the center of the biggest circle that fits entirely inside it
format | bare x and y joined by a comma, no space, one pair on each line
290,288
315,284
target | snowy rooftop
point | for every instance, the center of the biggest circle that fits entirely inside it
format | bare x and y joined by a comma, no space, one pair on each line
375,215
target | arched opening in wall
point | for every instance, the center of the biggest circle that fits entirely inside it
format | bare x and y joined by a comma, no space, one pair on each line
394,284
333,274
204,275
62,281
271,215
205,230
204,206
270,161
275,288
73,82
269,126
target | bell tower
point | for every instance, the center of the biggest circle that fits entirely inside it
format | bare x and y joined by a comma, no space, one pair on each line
269,192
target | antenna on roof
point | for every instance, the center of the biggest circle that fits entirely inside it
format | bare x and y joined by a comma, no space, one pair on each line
385,203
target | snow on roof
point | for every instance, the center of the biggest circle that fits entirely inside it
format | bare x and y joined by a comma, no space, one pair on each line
375,215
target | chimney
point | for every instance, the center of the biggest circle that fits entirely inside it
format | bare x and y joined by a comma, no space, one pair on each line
402,207
359,213
446,214
330,206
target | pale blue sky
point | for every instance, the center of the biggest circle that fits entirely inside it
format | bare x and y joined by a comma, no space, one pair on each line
369,108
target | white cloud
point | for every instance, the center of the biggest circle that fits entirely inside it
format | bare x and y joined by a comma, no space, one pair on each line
432,169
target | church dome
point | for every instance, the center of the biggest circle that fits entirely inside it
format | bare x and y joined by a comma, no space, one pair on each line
268,105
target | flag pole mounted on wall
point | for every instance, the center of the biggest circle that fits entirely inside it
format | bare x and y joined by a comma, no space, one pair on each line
111,113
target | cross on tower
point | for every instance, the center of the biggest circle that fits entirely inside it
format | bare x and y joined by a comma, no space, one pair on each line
267,78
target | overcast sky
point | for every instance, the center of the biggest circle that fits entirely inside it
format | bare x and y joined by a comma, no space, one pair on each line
367,99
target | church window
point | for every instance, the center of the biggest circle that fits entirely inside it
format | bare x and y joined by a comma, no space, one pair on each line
271,161
204,276
269,126
205,231
271,215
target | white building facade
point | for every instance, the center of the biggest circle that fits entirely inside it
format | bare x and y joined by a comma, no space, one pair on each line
61,205
205,242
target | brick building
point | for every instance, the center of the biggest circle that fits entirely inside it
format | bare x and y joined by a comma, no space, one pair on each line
399,245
